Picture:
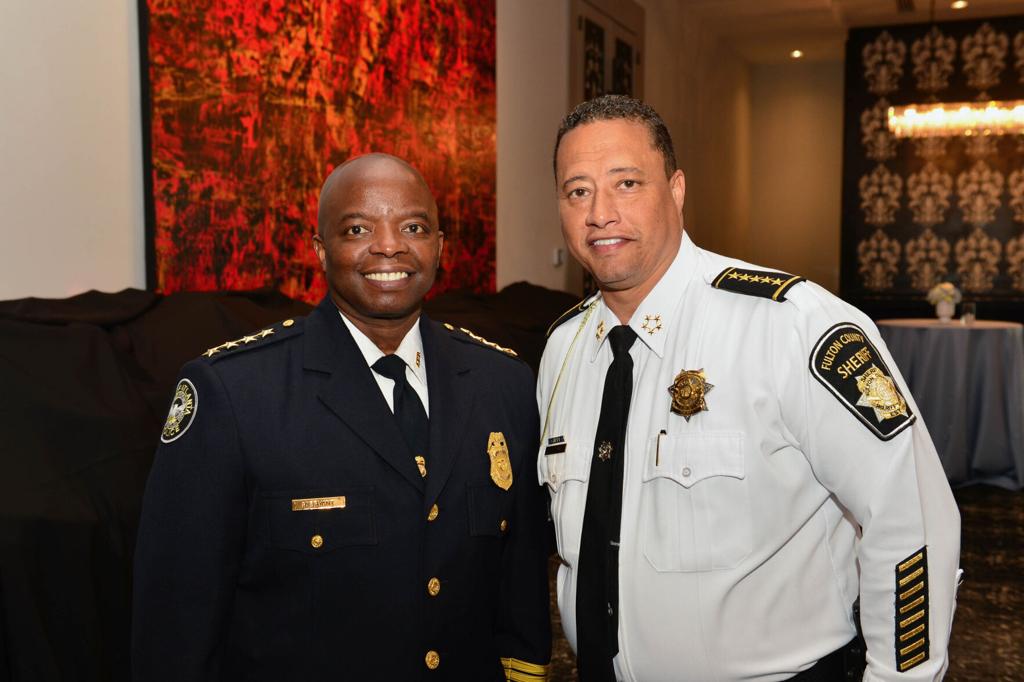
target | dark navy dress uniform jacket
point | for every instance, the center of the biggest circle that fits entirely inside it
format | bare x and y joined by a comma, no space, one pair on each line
228,582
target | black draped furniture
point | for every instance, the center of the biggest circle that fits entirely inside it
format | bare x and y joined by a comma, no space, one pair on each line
85,384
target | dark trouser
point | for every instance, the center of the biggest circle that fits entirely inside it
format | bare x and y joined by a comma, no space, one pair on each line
845,663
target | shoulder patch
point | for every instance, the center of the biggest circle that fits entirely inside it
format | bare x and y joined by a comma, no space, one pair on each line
481,340
569,314
846,363
272,333
183,410
763,283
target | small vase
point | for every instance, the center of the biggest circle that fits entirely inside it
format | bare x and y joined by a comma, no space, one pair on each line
944,310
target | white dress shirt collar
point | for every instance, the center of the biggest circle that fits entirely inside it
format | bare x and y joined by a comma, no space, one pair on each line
410,350
654,317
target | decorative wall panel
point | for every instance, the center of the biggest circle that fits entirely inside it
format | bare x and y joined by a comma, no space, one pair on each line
919,212
249,105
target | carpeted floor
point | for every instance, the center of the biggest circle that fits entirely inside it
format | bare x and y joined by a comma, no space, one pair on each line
988,634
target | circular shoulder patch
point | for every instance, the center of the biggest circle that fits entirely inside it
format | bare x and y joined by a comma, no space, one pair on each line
183,411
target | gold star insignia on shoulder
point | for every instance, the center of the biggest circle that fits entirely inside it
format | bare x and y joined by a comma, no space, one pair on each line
265,333
763,283
249,339
600,330
688,393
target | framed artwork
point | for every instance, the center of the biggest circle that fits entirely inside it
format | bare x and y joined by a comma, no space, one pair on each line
606,43
248,106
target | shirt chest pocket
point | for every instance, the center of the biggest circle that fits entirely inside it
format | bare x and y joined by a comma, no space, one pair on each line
566,474
695,502
320,521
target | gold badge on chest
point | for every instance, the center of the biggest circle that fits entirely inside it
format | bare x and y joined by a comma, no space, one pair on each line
688,391
501,466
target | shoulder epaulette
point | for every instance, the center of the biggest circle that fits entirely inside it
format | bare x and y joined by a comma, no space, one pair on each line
465,334
569,314
259,339
763,283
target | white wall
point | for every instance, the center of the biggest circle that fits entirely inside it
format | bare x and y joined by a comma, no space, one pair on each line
533,96
700,86
71,197
796,168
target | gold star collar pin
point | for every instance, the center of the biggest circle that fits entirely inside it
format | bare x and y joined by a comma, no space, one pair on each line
651,324
688,393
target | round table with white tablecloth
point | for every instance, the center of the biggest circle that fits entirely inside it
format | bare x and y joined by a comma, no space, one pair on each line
968,383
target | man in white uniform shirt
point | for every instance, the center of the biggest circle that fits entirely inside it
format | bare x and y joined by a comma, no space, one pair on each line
733,459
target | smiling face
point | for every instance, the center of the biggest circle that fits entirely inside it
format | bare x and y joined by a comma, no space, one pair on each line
621,217
378,241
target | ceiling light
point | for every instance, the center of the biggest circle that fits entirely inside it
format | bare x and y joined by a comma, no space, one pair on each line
951,119
958,4
796,54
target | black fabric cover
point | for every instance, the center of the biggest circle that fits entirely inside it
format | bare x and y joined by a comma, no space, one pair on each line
85,384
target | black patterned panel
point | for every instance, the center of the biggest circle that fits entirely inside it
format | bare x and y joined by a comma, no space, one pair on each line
920,212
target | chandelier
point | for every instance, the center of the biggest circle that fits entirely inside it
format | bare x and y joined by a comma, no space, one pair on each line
951,119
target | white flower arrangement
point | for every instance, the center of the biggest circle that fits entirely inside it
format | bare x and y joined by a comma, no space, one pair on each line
945,292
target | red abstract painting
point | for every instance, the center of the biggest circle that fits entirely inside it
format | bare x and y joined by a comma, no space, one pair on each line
251,103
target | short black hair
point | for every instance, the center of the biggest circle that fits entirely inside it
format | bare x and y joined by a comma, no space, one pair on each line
615,107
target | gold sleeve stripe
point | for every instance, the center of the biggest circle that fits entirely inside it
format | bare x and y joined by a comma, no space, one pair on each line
911,611
911,633
911,647
912,576
516,676
912,619
524,671
920,658
912,605
910,562
912,591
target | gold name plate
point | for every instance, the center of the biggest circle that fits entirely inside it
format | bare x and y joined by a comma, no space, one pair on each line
318,503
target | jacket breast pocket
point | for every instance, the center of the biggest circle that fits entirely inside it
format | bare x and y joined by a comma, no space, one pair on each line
566,474
695,505
319,521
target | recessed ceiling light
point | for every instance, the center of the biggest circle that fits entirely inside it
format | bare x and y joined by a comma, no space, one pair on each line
796,54
958,4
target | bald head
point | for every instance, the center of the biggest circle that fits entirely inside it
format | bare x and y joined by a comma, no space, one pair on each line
354,174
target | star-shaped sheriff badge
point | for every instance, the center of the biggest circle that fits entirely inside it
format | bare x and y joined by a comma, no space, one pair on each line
688,391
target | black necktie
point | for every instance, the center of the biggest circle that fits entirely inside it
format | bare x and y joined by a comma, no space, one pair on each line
412,418
597,584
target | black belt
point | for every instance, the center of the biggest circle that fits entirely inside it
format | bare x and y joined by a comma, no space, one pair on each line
845,663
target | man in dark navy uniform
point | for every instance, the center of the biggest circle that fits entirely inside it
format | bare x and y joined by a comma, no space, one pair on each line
350,496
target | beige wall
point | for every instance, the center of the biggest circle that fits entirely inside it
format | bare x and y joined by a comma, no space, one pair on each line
700,87
70,148
533,94
796,168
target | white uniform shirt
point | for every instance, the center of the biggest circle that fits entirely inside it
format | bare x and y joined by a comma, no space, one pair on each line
410,350
741,528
